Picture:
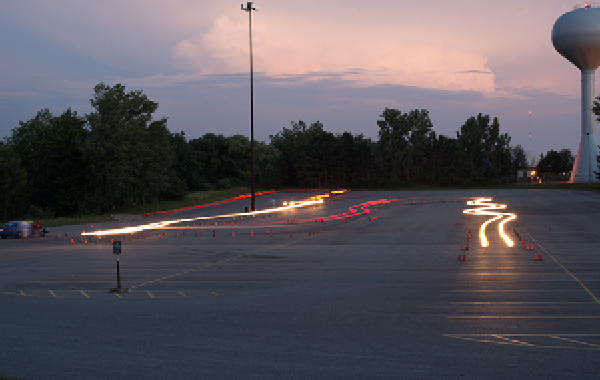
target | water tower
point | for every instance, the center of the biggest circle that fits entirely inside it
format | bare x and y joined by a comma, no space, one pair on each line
576,36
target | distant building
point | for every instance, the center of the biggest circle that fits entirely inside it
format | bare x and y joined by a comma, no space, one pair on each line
528,175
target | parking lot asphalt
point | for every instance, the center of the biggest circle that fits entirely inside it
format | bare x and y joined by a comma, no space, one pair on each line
302,295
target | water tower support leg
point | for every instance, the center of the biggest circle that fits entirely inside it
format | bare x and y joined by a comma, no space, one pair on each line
586,161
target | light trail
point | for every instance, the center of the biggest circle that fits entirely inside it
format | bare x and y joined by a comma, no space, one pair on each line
353,210
482,238
315,200
487,207
505,237
208,204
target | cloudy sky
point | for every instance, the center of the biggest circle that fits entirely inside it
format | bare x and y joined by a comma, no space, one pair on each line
339,62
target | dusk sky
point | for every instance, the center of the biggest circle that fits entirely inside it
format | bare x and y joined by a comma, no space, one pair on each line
339,62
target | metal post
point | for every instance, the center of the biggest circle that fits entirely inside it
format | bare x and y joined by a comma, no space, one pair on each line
252,201
118,274
249,8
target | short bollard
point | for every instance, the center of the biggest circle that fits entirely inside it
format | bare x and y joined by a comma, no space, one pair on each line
117,251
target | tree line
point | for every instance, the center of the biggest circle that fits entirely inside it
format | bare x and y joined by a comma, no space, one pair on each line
119,156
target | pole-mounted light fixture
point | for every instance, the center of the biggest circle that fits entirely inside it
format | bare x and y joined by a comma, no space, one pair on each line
250,6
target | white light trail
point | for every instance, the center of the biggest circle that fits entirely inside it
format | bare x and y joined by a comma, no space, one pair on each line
487,207
158,225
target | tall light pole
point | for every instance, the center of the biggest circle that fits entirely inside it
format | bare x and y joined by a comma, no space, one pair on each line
250,6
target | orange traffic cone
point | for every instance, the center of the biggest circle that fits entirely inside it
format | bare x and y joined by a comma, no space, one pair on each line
535,257
464,257
459,258
462,248
251,232
72,241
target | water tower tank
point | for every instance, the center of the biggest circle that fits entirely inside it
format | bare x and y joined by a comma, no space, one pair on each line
576,36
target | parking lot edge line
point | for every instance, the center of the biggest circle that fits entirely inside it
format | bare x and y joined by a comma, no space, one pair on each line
522,303
516,341
82,292
575,341
219,262
517,334
472,337
523,316
566,270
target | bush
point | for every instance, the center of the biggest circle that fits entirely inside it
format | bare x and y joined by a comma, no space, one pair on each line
224,183
36,212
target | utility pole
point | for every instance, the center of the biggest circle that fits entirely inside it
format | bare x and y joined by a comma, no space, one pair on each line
250,6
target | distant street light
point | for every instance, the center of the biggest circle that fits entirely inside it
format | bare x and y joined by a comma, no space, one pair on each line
250,6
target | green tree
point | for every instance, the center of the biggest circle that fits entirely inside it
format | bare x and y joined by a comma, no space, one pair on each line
392,156
212,152
556,162
484,152
419,146
405,145
130,153
598,166
293,144
238,153
447,161
364,167
187,164
267,162
14,179
519,157
50,151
